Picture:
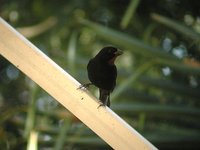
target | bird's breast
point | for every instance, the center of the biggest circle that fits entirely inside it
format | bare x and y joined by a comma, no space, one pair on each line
102,75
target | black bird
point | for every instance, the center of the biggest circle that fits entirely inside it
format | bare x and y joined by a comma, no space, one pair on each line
102,72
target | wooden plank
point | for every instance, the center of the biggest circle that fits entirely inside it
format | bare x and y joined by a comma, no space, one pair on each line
63,87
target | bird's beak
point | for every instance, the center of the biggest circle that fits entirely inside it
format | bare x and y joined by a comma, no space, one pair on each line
118,52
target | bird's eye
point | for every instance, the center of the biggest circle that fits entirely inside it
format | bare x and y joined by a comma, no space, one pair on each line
110,51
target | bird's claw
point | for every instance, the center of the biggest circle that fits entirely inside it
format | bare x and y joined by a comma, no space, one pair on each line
101,104
84,86
81,87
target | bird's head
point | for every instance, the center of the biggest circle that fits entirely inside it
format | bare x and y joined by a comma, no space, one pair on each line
109,54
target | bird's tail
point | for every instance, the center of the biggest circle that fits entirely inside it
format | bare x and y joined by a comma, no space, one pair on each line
104,97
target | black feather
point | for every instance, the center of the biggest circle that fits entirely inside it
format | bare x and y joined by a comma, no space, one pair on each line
102,72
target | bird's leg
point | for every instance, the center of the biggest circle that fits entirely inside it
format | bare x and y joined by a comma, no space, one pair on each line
108,101
84,86
104,98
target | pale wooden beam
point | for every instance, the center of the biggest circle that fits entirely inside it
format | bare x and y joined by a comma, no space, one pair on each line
63,87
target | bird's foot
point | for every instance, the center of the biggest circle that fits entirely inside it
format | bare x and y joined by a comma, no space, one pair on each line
84,86
101,104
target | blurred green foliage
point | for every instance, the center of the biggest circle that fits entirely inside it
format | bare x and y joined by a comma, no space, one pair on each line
158,86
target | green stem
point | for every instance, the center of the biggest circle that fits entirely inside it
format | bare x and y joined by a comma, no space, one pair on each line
30,120
62,134
130,11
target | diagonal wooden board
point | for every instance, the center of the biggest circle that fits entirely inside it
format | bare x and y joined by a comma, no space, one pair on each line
63,87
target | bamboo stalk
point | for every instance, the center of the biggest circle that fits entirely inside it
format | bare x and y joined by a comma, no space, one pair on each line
33,141
63,87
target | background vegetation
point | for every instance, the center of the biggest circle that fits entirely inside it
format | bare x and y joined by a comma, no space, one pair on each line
158,87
